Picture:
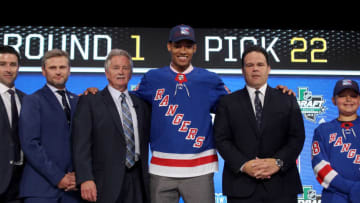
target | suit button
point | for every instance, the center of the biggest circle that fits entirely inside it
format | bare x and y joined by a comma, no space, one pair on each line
11,161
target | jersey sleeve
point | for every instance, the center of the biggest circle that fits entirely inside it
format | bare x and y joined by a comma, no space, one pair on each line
328,177
143,89
218,90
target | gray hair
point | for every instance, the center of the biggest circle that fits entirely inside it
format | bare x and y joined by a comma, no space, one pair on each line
117,52
54,53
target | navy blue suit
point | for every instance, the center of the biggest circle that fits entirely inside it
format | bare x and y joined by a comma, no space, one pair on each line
45,139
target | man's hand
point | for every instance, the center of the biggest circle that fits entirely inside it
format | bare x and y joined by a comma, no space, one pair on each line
285,90
265,168
249,168
91,90
261,168
67,182
88,191
73,180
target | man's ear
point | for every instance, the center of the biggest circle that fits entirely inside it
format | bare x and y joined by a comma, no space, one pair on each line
169,46
333,100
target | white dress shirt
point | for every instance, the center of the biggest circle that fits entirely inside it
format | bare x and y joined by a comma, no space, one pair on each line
6,97
252,95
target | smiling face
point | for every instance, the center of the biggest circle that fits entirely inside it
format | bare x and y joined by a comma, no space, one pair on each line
181,54
348,102
9,67
256,70
57,71
119,72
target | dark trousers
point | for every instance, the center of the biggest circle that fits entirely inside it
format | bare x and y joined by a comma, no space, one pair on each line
133,189
12,192
260,195
66,197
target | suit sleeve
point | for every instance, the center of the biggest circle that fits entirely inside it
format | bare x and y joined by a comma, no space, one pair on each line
290,151
82,140
30,138
328,177
224,138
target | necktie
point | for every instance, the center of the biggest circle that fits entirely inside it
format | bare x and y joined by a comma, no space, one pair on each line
129,132
258,108
14,125
65,105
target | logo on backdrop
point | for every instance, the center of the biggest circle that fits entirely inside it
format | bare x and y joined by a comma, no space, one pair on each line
309,195
311,105
220,198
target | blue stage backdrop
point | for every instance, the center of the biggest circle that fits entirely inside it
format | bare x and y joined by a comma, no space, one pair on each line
313,95
307,61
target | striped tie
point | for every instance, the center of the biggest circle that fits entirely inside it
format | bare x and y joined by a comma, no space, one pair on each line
129,132
258,108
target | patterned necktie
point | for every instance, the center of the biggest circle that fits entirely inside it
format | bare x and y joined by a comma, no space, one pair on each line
129,132
258,108
65,105
14,125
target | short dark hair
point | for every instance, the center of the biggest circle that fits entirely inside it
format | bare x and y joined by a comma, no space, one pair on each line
256,49
6,49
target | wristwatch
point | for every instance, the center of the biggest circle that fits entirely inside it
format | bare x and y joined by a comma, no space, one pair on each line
279,163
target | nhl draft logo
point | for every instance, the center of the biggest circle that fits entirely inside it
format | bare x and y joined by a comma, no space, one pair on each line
311,105
309,195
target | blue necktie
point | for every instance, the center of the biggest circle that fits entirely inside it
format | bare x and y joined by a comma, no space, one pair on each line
258,109
129,132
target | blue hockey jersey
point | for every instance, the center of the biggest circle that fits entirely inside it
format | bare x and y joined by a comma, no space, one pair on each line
336,160
181,137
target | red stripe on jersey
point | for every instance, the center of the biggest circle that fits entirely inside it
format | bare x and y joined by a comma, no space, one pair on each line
323,172
184,162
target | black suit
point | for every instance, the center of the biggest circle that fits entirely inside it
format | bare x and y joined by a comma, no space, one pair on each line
239,140
9,174
99,146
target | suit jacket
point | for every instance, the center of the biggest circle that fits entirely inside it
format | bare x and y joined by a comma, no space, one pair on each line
99,143
45,139
239,140
6,146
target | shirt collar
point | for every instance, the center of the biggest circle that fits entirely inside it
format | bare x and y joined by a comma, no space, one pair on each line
188,70
54,89
252,90
4,88
116,93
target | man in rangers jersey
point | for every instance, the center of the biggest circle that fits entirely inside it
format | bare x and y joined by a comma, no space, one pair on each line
182,96
183,151
336,147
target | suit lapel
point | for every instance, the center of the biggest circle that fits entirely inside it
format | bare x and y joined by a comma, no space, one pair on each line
20,95
111,106
72,100
3,109
51,98
246,103
3,113
139,114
